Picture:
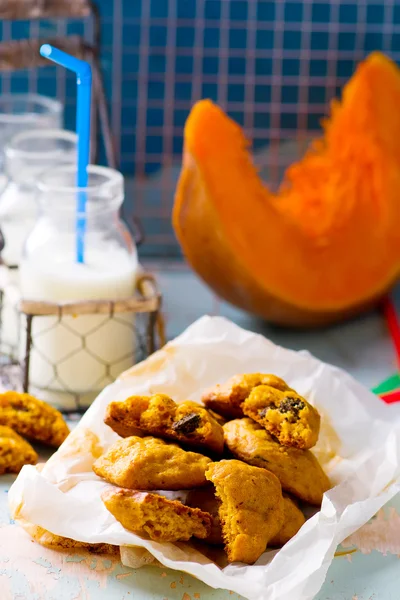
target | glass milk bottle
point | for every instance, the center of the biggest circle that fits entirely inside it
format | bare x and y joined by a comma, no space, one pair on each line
20,112
25,156
76,356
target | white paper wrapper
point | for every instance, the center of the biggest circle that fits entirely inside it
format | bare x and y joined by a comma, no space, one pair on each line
359,447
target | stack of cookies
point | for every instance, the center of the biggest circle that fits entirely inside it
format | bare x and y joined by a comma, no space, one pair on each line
242,459
24,415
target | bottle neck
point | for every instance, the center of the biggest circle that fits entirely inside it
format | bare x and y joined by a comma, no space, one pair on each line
31,153
60,208
56,234
65,220
59,201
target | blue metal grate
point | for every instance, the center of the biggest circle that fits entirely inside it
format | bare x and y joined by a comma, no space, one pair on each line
273,65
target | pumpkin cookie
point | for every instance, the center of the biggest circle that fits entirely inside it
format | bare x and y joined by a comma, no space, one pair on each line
298,470
293,519
219,418
206,500
285,414
151,464
58,542
15,452
32,418
226,399
187,423
251,509
155,516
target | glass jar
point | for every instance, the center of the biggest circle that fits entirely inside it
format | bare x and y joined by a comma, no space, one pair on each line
19,112
25,156
76,356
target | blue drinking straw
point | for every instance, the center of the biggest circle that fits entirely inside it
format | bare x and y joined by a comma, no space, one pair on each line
83,72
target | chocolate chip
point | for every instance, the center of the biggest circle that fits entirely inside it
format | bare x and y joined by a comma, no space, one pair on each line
19,407
263,412
188,424
291,405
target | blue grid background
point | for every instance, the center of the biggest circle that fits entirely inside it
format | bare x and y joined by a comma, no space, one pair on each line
273,65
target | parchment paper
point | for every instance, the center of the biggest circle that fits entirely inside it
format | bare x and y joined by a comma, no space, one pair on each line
359,447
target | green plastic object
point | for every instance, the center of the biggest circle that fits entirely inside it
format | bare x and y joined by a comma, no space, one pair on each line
390,384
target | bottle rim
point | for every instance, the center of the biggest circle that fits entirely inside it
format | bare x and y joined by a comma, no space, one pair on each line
100,196
51,106
13,148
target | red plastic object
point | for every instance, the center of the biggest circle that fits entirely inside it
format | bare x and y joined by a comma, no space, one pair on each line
391,397
392,322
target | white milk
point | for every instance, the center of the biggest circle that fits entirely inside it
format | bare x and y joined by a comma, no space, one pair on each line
18,214
54,276
26,155
15,227
10,318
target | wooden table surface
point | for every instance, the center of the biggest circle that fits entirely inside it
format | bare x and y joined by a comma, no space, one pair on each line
360,572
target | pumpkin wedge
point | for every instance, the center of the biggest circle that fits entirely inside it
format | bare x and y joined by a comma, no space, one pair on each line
325,246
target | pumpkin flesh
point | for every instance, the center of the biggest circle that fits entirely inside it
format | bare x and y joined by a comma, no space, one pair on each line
328,242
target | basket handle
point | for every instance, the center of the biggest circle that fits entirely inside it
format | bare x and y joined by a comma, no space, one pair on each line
148,288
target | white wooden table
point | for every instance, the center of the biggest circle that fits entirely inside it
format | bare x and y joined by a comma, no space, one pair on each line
30,572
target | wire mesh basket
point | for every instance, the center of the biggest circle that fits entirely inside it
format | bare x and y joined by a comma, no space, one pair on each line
22,55
33,9
67,352
273,65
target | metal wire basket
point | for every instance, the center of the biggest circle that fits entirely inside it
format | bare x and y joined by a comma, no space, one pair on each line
58,379
273,65
34,9
20,55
